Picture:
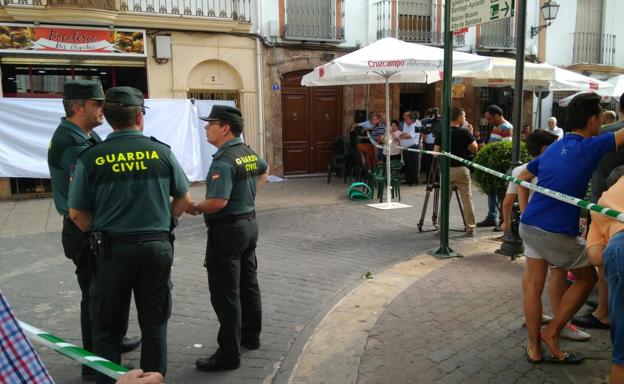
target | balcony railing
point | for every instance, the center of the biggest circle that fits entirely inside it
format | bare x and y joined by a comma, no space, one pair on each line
498,34
413,21
232,9
594,48
237,10
312,20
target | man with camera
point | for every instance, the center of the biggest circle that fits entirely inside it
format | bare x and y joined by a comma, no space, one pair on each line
464,145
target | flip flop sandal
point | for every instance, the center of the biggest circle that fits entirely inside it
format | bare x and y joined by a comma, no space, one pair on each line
528,357
567,358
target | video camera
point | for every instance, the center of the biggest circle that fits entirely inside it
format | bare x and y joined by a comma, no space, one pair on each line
432,124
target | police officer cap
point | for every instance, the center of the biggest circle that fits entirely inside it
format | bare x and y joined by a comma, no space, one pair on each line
125,96
83,90
224,113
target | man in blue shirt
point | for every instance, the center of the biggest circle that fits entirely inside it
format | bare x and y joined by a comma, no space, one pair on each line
549,227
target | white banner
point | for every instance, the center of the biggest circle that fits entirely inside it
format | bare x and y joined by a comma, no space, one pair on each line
27,125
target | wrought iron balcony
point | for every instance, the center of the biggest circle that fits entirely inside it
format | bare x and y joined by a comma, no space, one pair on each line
413,21
312,20
232,9
225,10
499,34
593,48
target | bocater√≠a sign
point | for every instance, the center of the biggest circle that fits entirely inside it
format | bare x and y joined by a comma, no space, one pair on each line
466,13
54,39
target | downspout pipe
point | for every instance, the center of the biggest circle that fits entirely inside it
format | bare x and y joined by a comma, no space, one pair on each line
260,82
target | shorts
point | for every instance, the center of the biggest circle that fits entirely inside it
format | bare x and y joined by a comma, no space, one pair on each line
560,250
614,272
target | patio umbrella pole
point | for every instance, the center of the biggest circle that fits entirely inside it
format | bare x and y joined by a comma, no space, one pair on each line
388,141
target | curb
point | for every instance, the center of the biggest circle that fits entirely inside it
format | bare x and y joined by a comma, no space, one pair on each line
332,353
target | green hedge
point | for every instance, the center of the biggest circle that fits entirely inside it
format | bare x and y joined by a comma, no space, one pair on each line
496,156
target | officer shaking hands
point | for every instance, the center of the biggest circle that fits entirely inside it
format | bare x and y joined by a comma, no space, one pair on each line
82,101
229,212
121,192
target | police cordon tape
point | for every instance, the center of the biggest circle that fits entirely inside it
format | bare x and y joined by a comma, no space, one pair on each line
612,213
98,363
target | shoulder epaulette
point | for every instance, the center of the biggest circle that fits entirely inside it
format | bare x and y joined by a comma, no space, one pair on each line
158,141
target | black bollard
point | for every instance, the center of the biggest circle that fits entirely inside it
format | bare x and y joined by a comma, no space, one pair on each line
512,243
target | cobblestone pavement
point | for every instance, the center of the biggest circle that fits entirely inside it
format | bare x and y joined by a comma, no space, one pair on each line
314,247
462,323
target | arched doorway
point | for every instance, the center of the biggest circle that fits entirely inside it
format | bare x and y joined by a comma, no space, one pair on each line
214,80
311,119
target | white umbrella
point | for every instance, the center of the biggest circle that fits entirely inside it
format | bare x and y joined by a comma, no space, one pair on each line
392,61
566,80
503,74
544,76
565,101
617,88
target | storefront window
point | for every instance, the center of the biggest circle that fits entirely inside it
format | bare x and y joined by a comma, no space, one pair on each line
48,81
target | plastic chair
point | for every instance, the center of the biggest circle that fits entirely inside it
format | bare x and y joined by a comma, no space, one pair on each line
339,160
395,180
359,191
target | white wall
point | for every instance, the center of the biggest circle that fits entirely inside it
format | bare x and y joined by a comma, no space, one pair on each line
560,35
559,47
270,11
612,24
358,23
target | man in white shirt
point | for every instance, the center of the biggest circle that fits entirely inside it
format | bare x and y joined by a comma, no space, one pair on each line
410,138
552,127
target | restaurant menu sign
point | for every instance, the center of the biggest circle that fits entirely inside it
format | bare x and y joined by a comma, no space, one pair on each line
15,38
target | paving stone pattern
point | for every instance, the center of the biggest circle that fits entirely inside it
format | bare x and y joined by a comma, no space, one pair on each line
463,324
307,256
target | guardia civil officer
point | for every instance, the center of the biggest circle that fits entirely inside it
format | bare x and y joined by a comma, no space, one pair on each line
229,211
120,191
82,101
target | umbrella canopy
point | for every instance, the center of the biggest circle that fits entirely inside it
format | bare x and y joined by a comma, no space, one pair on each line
503,74
394,60
571,81
546,76
617,88
565,101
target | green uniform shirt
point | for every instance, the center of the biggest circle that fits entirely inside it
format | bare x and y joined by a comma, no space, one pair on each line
233,175
66,144
125,182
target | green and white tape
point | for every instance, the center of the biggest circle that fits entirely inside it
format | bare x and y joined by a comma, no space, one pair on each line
98,363
612,213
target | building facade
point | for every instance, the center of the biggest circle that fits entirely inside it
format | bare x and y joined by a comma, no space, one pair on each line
256,51
167,49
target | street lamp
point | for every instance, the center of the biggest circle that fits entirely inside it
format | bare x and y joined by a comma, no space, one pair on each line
549,13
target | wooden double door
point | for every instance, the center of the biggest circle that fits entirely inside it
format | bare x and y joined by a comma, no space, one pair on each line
311,120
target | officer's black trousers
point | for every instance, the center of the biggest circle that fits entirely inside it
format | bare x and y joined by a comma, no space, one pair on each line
76,248
143,269
232,279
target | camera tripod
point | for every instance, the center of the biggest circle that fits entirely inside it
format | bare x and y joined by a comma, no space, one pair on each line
433,184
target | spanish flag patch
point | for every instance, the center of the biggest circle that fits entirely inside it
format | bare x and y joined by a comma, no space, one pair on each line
215,176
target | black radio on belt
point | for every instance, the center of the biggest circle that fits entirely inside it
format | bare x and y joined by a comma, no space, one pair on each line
100,244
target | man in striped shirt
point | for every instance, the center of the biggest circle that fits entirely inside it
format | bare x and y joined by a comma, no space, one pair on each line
501,131
501,128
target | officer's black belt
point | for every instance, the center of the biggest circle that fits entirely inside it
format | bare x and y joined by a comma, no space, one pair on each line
137,238
229,218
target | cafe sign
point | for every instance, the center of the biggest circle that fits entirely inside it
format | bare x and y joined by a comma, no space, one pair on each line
16,38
